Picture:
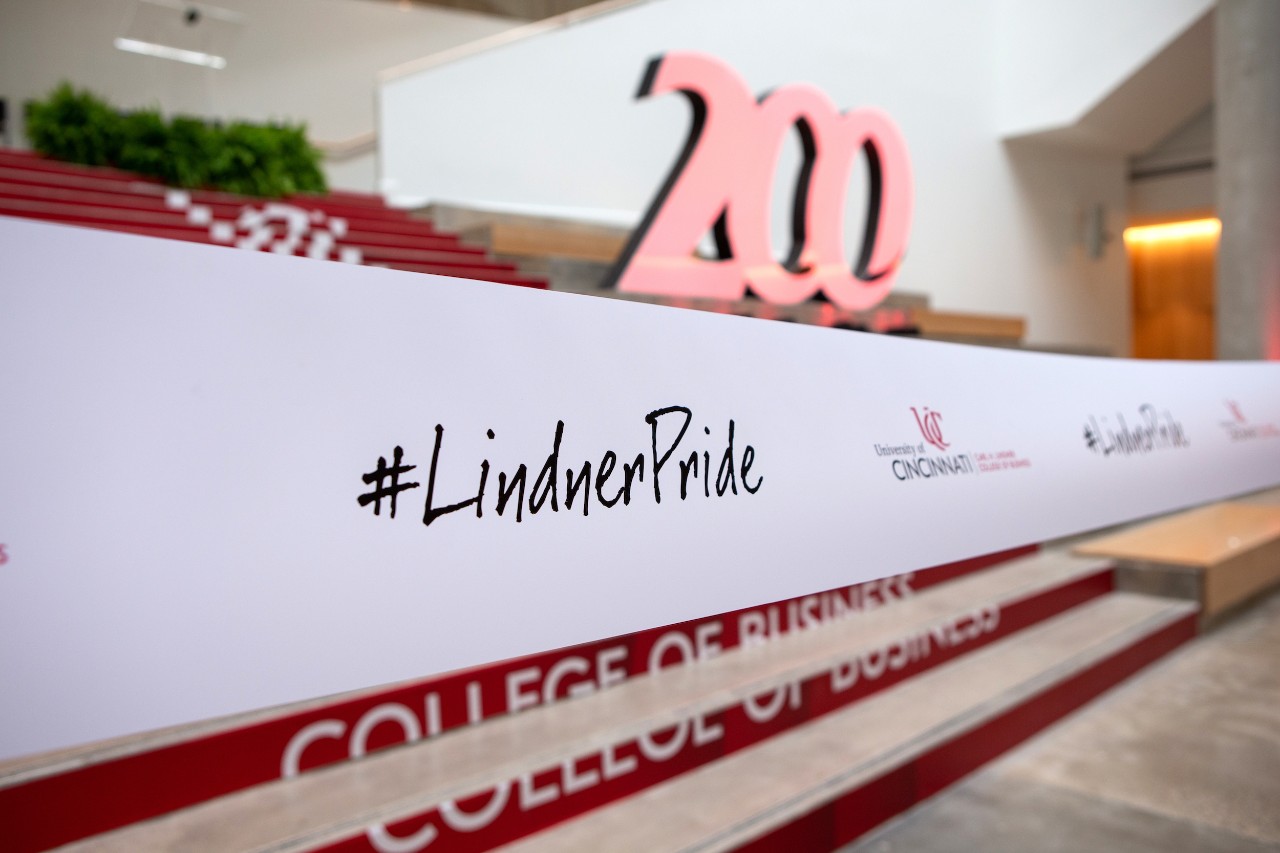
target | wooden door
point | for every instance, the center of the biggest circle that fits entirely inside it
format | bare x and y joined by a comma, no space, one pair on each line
1172,267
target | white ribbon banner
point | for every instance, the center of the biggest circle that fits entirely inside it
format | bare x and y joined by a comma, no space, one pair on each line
233,479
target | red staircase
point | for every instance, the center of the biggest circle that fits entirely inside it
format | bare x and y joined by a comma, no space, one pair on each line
342,226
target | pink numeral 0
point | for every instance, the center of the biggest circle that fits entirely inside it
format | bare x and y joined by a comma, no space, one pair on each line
722,182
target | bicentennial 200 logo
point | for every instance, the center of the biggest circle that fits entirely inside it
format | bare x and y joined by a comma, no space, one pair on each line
722,184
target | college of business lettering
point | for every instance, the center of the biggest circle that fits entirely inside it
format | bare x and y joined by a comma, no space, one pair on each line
616,769
615,476
1152,431
912,460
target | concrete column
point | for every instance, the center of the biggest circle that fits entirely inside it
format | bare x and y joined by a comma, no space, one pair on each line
1247,116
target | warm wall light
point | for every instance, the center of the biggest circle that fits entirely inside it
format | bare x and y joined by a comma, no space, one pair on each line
1173,231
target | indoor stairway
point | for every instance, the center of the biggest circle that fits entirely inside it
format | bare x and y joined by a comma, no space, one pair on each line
344,226
848,714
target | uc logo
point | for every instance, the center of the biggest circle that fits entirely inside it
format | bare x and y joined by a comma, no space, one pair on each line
722,182
930,424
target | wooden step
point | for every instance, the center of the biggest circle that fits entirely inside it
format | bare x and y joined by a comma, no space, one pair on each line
401,783
578,257
1221,556
825,783
968,327
579,242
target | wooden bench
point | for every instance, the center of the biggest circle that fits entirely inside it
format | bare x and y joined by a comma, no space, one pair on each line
567,240
970,328
1222,556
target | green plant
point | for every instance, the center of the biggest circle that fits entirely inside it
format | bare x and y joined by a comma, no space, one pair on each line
265,159
76,126
191,148
251,159
144,143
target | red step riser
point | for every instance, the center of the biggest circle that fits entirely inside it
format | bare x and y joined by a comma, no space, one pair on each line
149,203
37,188
508,278
442,242
143,209
488,272
78,183
187,233
175,226
461,256
34,162
499,276
104,796
102,179
23,159
153,204
106,216
858,812
419,238
359,198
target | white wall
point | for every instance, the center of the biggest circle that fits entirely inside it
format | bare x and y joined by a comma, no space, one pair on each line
550,124
303,60
1059,59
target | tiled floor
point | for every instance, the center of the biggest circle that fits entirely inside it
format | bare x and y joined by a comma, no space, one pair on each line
1185,757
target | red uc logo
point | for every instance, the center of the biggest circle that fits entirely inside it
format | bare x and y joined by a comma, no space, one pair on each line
722,182
930,424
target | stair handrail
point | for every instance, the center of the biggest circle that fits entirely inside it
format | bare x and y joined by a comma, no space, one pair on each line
506,37
348,149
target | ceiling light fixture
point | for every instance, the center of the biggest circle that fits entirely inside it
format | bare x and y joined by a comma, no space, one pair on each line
164,51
